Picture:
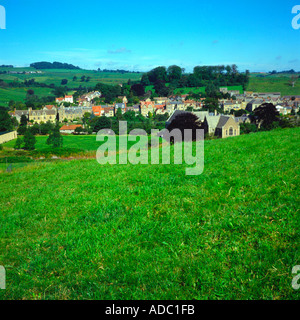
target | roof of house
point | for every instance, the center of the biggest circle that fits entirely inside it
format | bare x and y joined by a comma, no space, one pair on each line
212,121
49,107
70,127
222,121
120,105
201,114
175,114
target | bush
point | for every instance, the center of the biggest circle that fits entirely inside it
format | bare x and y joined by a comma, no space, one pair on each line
18,143
29,140
246,128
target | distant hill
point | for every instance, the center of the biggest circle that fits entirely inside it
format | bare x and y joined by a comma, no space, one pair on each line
54,65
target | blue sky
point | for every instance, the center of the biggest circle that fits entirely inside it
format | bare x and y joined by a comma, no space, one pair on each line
138,35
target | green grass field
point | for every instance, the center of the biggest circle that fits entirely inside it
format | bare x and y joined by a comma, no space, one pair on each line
19,94
80,230
273,83
54,76
86,142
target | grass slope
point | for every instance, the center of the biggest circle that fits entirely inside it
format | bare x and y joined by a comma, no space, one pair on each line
84,142
79,230
54,76
274,83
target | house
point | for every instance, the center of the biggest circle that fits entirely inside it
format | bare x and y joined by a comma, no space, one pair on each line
269,95
227,127
44,115
121,106
253,104
175,105
242,119
160,100
19,113
284,110
160,108
233,92
146,107
103,110
210,124
70,128
72,113
66,98
232,105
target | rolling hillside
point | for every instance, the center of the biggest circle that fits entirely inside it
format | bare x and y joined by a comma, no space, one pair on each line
80,230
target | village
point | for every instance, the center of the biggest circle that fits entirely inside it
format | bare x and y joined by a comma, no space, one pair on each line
223,124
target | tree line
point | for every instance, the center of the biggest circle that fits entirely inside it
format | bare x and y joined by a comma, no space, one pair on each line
54,65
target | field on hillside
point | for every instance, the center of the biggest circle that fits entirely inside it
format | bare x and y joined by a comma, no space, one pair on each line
80,230
194,90
19,94
85,142
54,76
274,83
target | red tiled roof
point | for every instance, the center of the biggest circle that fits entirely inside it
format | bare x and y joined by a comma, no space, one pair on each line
70,127
49,107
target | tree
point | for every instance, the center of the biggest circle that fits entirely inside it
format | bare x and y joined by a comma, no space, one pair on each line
29,140
102,123
46,128
161,89
5,121
174,72
55,138
64,82
79,130
60,91
185,120
265,115
18,143
23,120
119,114
138,89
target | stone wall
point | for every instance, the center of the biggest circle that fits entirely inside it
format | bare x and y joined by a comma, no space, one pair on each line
8,136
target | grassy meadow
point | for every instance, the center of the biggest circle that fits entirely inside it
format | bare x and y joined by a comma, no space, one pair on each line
82,142
274,83
80,230
54,76
49,76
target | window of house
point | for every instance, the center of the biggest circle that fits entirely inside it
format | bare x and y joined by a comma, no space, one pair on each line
231,131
